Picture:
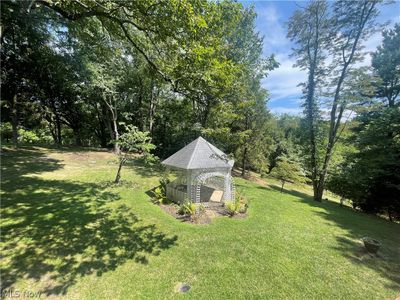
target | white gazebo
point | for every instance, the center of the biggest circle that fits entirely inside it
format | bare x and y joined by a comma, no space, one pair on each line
204,174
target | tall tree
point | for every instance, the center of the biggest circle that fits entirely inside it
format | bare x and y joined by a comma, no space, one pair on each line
23,36
352,22
309,29
386,65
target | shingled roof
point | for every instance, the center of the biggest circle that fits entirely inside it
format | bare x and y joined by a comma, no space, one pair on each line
199,154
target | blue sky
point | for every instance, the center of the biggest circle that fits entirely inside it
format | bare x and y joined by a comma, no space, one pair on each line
282,82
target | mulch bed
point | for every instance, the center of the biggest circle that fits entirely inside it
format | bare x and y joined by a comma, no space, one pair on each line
212,210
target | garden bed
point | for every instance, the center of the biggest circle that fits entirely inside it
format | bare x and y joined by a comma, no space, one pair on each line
211,210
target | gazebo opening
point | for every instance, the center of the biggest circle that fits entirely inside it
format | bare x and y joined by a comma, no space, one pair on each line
202,174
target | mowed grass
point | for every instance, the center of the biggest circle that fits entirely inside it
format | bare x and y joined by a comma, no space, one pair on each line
67,232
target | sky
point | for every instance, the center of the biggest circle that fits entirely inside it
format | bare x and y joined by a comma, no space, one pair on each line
282,83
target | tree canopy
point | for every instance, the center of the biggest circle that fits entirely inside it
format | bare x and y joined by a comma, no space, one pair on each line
103,73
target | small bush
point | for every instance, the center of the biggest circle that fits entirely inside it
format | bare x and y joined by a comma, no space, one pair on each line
159,197
159,194
191,209
27,137
6,131
163,184
188,208
240,205
232,207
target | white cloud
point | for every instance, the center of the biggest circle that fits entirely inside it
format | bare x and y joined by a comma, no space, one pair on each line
271,25
287,110
283,82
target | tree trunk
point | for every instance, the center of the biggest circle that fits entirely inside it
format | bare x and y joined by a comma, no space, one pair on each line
101,131
113,110
310,105
390,215
335,118
110,129
244,161
121,163
140,118
320,192
58,130
78,138
152,110
14,121
116,135
283,183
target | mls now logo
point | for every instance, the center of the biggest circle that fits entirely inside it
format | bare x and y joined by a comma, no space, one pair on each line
20,294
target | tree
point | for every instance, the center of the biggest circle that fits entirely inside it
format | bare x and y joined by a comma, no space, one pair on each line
351,23
288,170
370,177
105,82
22,39
386,65
176,69
308,28
132,142
354,21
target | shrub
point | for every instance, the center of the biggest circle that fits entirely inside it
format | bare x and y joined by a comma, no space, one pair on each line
244,203
163,184
232,207
188,208
6,131
191,209
240,205
159,194
27,137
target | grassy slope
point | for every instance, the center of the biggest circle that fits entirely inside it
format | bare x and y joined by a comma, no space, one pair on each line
65,232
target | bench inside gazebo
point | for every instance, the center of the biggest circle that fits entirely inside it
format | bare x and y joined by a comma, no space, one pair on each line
203,174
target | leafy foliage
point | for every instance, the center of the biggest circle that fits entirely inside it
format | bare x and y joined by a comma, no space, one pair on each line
386,62
27,137
323,30
370,177
132,142
288,171
159,193
188,208
239,205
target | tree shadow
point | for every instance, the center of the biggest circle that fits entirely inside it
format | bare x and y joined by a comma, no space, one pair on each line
54,232
144,169
27,160
384,262
357,225
287,191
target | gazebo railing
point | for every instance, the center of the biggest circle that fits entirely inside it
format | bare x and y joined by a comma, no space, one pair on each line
176,193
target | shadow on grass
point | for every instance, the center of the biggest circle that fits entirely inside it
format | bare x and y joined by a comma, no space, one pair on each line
357,225
144,169
17,163
287,191
54,232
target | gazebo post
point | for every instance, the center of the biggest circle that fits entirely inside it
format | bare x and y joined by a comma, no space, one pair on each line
189,184
227,187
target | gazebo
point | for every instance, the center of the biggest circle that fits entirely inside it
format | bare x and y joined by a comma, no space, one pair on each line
203,174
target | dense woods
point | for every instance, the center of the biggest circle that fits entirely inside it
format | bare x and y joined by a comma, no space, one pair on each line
82,72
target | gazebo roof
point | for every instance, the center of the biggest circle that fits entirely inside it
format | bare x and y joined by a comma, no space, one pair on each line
199,154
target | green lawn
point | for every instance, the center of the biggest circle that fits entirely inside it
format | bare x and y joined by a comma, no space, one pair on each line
67,232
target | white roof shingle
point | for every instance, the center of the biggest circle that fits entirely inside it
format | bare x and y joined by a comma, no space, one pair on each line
199,154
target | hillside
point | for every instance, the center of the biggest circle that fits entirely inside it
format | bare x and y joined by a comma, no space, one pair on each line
68,232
